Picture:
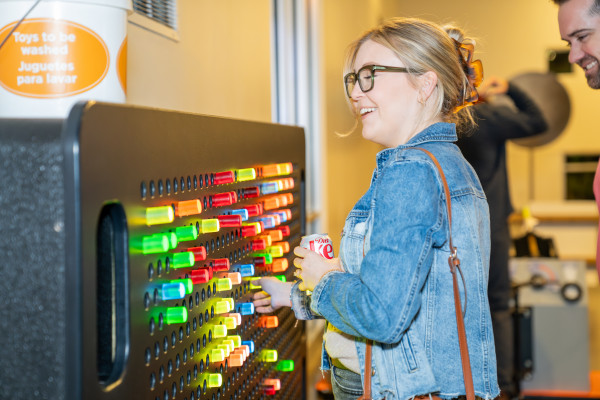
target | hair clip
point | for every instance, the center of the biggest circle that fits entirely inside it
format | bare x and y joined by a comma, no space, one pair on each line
473,70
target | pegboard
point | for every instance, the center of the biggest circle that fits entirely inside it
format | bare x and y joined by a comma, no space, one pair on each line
168,220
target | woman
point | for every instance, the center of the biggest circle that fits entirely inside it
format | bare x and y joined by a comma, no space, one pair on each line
406,81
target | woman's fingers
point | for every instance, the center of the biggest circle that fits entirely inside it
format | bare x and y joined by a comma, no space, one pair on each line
263,309
262,302
298,262
261,296
301,251
261,299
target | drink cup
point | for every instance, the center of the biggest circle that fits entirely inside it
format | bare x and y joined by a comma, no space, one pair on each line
320,243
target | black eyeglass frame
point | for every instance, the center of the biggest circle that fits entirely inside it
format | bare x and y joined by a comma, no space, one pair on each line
372,68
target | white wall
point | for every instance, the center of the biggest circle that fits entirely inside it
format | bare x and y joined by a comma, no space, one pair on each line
220,65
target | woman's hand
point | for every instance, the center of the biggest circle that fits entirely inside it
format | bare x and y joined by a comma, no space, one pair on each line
275,294
312,266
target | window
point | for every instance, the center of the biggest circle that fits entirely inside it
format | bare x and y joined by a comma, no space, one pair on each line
580,170
295,90
159,16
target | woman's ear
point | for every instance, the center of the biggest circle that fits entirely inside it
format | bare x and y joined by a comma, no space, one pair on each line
428,82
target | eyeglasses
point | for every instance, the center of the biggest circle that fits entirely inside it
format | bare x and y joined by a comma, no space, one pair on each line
366,77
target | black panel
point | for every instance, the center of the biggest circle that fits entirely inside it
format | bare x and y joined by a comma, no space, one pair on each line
32,279
523,346
98,296
558,61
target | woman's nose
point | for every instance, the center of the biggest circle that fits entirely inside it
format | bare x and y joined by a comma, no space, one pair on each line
356,92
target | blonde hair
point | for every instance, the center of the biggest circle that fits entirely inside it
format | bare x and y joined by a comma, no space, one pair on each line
423,46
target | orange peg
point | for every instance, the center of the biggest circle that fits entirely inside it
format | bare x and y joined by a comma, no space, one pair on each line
236,359
188,207
268,321
275,235
272,203
285,246
274,383
271,170
280,264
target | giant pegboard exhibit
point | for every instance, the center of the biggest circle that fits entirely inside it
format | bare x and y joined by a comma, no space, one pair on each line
134,239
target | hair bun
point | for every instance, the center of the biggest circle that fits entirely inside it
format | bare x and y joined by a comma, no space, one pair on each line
454,32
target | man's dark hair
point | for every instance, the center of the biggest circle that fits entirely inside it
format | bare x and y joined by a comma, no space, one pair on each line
594,9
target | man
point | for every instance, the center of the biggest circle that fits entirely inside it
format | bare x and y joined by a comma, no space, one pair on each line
579,25
485,149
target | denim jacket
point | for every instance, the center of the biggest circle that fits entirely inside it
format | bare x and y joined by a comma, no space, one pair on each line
397,285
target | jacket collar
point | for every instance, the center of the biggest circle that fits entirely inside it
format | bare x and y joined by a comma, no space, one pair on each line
438,132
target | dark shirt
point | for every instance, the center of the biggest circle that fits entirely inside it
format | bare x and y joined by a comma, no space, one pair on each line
485,148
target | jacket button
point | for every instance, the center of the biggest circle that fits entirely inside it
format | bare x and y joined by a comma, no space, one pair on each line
372,371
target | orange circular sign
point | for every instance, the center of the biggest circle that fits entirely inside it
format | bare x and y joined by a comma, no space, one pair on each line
49,58
122,65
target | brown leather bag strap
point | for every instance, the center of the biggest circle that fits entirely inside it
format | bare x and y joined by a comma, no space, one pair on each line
368,353
454,263
367,382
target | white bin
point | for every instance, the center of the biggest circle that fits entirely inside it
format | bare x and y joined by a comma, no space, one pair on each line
63,52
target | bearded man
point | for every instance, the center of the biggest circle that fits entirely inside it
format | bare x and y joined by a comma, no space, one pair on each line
579,25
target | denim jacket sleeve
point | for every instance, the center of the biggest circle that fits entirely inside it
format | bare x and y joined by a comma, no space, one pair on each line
301,304
408,221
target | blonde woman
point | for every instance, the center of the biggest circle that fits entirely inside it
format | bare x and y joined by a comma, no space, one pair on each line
408,83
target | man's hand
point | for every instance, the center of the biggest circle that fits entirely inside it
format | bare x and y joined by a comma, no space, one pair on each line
491,87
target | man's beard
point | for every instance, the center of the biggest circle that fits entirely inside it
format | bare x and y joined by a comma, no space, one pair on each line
594,80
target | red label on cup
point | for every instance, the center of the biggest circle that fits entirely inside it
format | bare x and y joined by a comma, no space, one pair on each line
320,243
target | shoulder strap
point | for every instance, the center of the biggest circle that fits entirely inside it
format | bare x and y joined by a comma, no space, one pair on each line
367,381
454,263
368,370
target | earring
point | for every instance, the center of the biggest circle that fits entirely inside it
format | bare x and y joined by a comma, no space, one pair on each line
421,100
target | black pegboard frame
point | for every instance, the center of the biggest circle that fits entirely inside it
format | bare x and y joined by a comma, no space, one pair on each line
110,153
32,275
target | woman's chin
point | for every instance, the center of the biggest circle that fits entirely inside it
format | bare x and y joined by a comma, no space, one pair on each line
368,135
